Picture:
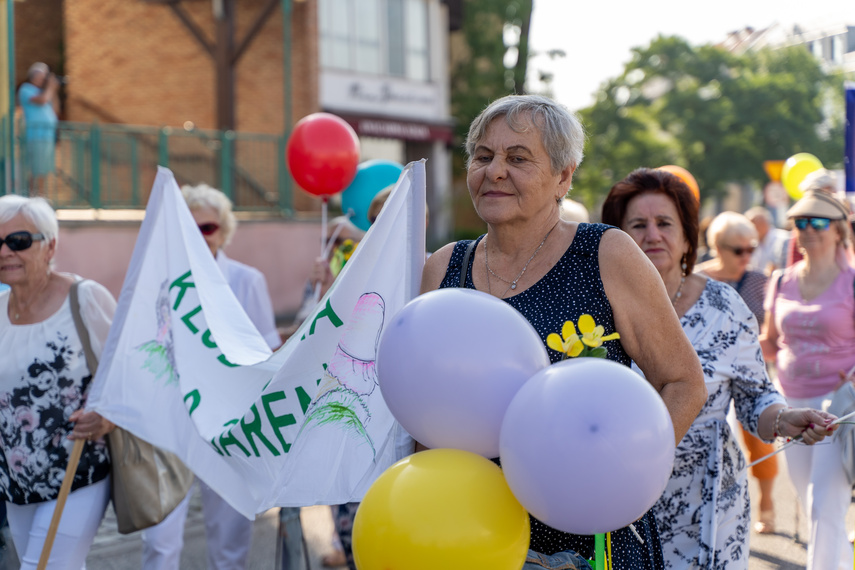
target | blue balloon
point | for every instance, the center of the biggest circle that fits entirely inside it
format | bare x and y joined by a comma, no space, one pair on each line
372,176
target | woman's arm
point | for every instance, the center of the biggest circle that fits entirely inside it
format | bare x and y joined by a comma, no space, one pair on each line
97,307
435,268
752,391
812,425
769,338
48,94
769,331
649,329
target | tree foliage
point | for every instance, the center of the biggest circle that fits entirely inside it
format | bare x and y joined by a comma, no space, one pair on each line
489,60
718,114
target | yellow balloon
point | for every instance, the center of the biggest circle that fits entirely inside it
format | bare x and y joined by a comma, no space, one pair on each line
441,508
795,169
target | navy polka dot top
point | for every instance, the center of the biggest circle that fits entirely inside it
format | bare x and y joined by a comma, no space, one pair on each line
570,289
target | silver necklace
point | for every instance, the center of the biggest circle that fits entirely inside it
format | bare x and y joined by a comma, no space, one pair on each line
679,292
513,284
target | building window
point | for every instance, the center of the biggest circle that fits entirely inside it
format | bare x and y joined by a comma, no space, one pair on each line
837,48
380,37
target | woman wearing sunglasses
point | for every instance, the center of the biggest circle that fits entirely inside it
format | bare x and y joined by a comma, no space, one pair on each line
44,380
810,331
734,239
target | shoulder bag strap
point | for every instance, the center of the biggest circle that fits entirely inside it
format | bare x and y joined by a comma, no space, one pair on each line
464,267
82,331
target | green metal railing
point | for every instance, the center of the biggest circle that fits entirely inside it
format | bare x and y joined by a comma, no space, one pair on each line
113,166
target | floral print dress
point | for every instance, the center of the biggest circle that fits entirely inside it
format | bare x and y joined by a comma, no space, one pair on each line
43,379
704,514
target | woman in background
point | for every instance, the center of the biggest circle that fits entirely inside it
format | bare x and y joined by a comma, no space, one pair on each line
734,239
704,513
810,332
44,380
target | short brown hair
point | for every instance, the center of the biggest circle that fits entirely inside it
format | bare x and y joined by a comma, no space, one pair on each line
648,180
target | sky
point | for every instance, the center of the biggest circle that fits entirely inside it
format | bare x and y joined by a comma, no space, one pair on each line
597,35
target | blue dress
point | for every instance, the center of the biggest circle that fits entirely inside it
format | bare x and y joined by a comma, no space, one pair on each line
570,289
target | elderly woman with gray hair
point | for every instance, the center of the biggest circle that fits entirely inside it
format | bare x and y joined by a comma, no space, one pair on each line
44,380
228,533
522,153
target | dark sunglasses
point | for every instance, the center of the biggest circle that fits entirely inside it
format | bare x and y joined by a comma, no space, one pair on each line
740,251
208,229
819,224
19,241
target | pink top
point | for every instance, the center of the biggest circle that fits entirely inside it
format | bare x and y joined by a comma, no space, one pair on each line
816,338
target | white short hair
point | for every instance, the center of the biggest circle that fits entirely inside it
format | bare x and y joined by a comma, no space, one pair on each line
204,196
560,129
729,224
35,210
574,211
820,180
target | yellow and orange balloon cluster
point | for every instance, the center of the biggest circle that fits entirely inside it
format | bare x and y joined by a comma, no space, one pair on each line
686,177
441,508
467,376
796,168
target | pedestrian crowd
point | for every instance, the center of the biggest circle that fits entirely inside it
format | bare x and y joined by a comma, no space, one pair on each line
746,330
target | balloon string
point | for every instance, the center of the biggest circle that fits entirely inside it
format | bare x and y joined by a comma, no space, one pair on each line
795,440
325,251
609,549
317,295
323,224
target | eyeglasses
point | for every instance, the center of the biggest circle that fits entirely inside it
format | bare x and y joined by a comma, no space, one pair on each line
209,228
819,224
19,241
740,251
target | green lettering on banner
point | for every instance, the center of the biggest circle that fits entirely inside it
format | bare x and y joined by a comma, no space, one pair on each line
329,314
214,445
186,319
227,439
277,422
222,358
304,399
196,397
208,340
254,427
183,286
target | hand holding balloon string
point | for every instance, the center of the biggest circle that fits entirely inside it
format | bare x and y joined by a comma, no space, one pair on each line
811,434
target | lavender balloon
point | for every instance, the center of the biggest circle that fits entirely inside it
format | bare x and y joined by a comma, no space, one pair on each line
587,446
449,364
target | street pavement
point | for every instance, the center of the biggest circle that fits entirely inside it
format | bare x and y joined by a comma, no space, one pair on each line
784,550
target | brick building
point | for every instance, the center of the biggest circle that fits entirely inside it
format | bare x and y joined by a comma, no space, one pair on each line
382,65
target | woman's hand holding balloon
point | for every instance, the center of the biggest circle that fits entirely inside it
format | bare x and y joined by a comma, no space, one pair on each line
806,424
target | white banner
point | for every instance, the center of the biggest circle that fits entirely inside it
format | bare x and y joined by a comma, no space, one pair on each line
306,425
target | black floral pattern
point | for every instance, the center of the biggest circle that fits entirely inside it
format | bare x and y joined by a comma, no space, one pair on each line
704,514
34,448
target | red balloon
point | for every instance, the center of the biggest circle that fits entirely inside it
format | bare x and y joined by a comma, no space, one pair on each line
323,154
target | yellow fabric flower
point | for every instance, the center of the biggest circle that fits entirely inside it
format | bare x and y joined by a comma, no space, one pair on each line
568,343
592,333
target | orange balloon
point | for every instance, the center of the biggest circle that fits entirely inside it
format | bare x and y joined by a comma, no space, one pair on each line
686,177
